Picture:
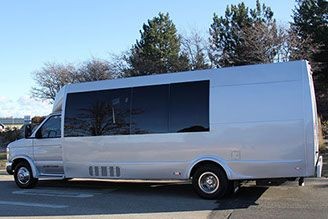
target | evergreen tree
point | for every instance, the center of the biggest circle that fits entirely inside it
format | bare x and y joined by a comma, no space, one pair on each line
310,21
158,50
224,40
310,24
243,36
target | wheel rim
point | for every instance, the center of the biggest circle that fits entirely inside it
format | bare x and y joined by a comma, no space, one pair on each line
208,182
23,175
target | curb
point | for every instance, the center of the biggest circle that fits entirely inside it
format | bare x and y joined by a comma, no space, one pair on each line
3,172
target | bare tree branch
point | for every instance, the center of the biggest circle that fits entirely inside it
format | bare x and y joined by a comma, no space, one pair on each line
52,76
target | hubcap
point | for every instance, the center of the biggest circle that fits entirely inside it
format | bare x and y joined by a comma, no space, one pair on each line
23,175
208,182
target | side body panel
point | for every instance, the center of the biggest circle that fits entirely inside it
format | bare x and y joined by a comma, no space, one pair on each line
257,130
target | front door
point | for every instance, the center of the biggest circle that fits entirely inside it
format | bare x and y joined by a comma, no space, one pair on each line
47,147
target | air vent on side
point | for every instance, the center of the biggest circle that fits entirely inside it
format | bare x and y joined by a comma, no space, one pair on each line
111,171
104,171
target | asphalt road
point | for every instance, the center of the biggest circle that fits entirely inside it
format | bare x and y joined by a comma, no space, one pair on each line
87,198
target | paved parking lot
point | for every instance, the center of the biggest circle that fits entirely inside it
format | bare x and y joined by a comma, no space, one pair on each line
86,198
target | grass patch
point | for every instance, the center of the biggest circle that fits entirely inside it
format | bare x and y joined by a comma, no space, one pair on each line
3,155
3,159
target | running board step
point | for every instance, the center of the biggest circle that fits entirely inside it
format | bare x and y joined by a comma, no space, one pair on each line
58,176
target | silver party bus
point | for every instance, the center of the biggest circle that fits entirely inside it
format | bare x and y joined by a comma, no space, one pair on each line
212,127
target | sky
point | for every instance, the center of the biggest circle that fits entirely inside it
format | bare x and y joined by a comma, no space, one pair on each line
72,31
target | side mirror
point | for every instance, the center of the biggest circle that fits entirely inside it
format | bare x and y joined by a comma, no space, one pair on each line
28,131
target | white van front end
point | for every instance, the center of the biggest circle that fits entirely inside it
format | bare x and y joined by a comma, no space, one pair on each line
38,155
19,150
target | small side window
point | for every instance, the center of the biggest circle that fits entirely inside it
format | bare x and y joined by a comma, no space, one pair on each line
50,129
189,107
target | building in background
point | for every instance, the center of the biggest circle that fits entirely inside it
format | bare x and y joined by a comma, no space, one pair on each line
12,123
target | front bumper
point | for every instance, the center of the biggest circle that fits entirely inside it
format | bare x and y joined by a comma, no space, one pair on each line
9,168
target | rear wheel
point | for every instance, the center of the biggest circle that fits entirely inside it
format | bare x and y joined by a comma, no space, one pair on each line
23,175
210,182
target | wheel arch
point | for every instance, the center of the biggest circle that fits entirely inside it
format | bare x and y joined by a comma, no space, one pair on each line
209,161
18,159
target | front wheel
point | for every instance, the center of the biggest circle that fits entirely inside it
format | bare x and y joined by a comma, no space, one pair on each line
23,176
210,182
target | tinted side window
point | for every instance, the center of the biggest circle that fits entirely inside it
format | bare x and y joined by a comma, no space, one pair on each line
97,113
189,107
149,112
51,128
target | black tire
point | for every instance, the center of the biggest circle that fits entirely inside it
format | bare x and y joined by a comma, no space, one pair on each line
23,176
230,189
210,182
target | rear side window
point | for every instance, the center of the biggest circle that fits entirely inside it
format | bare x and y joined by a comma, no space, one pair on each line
189,107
